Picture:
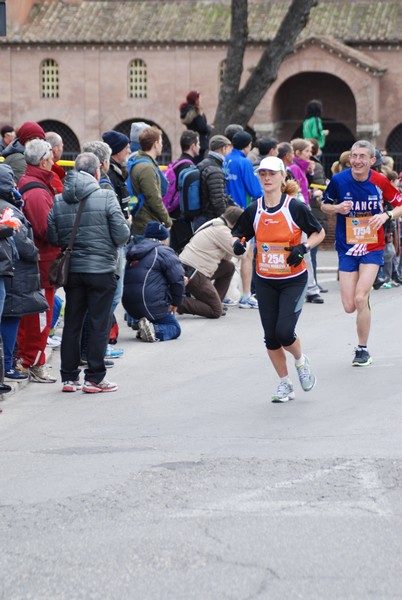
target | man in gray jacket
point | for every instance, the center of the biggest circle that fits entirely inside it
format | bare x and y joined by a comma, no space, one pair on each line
92,281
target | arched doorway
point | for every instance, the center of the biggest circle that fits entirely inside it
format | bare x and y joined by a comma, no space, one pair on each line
288,110
70,140
394,146
166,156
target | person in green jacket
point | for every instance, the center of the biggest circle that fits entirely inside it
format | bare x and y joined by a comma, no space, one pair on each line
312,124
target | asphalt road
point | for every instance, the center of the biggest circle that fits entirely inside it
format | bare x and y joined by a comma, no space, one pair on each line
188,483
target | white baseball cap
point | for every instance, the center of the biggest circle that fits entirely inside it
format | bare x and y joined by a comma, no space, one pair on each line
271,163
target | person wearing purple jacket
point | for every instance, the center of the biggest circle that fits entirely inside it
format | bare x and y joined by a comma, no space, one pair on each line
301,165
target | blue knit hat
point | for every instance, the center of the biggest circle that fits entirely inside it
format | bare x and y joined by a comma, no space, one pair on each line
156,230
116,140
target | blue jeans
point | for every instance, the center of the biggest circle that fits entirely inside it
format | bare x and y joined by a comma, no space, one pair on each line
58,303
121,260
9,331
167,328
2,295
2,300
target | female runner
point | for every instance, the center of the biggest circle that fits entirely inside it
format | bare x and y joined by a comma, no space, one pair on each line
277,221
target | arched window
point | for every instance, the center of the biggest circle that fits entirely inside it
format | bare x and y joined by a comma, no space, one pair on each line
49,79
137,79
222,66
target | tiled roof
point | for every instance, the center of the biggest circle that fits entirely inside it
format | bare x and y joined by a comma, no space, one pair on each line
201,21
359,59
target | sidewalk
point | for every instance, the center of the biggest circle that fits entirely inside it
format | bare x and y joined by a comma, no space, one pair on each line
327,261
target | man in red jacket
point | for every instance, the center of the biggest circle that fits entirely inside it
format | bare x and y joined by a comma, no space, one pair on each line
38,193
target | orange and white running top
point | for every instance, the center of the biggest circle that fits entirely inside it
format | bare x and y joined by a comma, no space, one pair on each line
275,231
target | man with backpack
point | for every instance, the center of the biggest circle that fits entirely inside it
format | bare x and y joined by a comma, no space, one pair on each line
145,180
214,200
182,229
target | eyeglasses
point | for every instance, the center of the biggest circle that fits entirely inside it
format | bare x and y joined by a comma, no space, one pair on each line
45,156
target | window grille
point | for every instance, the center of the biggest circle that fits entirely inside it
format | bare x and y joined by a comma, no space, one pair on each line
137,79
49,79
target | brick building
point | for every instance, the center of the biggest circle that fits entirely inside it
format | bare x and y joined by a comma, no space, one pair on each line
81,67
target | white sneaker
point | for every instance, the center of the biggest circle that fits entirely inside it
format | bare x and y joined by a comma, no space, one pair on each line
284,393
52,342
229,302
146,330
306,378
40,374
250,302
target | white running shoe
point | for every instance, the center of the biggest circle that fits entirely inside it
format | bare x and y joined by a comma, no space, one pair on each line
52,342
250,302
146,330
284,393
90,387
306,378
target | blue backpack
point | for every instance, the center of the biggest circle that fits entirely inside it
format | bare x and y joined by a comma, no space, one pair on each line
188,185
137,202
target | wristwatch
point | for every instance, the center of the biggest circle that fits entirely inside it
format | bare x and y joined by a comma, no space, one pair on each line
389,214
307,246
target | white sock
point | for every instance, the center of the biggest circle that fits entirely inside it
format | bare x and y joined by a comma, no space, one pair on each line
299,361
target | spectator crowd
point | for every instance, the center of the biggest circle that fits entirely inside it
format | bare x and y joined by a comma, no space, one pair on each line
190,238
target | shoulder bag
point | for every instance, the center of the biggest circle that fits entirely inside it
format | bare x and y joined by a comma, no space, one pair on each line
58,272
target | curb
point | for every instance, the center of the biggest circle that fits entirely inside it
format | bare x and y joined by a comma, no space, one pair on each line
17,386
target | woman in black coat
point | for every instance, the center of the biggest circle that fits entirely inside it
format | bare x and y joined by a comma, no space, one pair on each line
193,117
23,292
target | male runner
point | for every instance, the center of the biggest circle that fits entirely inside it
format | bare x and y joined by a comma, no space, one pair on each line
357,197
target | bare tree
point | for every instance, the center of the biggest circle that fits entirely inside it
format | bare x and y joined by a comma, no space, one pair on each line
238,105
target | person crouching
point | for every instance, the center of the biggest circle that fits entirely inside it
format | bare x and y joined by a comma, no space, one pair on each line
154,285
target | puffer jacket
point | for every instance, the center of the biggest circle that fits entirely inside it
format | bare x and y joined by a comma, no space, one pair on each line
14,156
102,227
23,291
6,253
214,199
153,280
37,204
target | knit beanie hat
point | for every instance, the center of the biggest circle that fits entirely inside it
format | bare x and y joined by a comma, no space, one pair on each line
135,131
30,130
156,230
116,140
241,140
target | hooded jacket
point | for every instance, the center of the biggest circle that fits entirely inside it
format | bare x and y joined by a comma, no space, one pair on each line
154,279
23,291
14,156
102,227
214,200
37,204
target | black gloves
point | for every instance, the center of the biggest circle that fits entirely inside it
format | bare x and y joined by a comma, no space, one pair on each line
6,232
296,254
239,247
